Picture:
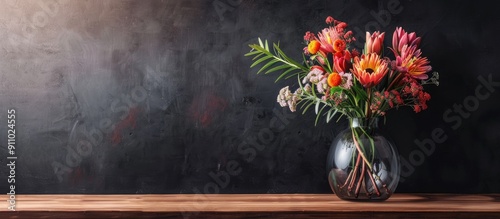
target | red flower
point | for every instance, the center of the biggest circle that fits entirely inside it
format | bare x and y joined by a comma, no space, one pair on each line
309,36
342,61
317,67
330,20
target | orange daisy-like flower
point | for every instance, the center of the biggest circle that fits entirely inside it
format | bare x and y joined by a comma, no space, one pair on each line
334,79
370,69
339,45
313,47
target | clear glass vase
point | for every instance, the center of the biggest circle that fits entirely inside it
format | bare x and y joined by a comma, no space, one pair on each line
362,163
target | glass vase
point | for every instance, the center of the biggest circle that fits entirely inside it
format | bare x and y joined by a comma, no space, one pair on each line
362,163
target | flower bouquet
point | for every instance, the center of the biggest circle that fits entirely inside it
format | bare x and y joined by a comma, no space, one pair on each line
337,80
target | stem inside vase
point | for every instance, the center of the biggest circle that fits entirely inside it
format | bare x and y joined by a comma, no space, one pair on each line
363,163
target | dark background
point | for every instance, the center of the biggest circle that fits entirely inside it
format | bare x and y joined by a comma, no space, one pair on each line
156,96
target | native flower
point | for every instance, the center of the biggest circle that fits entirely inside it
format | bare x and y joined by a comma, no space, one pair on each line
335,75
287,98
346,80
374,42
342,61
410,61
313,47
315,75
370,69
335,79
401,38
327,37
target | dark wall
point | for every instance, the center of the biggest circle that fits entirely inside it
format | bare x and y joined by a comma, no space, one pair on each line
156,96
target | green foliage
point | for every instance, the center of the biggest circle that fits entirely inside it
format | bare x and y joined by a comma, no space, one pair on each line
274,61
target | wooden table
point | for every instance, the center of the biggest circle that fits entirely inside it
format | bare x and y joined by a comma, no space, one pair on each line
252,206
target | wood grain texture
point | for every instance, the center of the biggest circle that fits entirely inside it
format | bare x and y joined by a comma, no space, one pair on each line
252,206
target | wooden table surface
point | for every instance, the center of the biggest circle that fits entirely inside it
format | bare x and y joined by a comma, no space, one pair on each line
252,206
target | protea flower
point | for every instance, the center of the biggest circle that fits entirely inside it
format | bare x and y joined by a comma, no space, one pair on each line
374,42
370,69
327,37
401,38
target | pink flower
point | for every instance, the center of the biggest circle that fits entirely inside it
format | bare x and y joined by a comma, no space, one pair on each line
309,36
327,37
374,42
346,80
330,20
401,38
410,61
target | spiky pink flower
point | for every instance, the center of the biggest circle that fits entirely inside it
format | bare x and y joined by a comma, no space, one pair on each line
401,38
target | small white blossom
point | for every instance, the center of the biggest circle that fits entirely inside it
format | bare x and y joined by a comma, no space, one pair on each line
287,98
322,85
314,76
346,79
307,88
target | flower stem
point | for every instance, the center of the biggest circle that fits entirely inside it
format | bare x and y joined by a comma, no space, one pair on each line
394,81
368,103
363,171
359,149
354,173
377,191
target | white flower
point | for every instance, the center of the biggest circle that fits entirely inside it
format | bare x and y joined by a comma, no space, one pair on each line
314,76
346,79
322,85
287,98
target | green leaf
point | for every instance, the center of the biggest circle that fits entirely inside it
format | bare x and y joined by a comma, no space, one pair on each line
307,107
284,74
253,52
260,60
316,108
260,42
330,115
269,64
336,89
276,68
360,93
274,61
319,114
257,56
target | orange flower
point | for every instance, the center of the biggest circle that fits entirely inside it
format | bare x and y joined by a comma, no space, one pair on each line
339,45
313,47
334,79
370,69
